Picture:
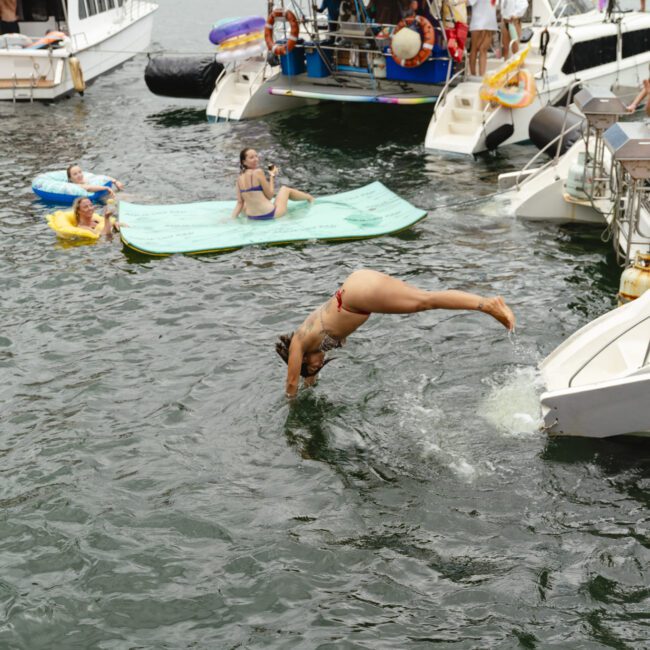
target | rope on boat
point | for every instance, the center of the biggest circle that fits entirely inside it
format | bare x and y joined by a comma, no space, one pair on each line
480,199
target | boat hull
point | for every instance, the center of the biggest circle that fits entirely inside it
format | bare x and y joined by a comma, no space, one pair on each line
613,408
243,93
543,195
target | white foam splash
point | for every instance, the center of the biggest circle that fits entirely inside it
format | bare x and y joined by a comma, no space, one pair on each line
512,406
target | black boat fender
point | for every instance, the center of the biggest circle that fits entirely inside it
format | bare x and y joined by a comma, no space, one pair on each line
190,77
498,136
547,124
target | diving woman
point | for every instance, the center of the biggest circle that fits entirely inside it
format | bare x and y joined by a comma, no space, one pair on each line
363,293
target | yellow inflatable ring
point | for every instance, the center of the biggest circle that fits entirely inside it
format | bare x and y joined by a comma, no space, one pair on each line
501,76
65,226
241,40
518,91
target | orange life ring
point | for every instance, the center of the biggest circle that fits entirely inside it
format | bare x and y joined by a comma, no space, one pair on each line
428,38
284,48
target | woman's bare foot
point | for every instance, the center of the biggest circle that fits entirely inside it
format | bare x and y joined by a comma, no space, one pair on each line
497,308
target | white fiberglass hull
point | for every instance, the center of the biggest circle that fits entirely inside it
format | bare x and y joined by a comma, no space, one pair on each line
598,380
613,408
543,196
243,93
45,75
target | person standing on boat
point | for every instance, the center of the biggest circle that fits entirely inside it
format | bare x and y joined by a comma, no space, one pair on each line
254,191
333,7
363,293
640,97
9,17
481,27
388,12
512,11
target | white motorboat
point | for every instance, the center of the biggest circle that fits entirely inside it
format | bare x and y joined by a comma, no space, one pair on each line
351,63
603,178
598,380
571,42
64,44
572,187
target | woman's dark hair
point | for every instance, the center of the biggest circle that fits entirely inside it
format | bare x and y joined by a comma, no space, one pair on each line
67,171
242,157
282,346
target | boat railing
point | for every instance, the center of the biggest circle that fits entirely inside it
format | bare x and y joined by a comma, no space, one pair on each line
555,142
356,43
523,178
442,97
252,84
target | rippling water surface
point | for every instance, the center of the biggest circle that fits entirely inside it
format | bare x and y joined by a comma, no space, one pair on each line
159,492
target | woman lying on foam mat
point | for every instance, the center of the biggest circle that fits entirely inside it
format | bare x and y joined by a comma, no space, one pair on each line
254,191
365,292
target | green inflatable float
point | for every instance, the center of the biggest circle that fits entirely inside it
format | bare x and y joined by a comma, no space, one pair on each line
206,227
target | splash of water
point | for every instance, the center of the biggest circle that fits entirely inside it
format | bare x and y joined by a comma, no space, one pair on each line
512,405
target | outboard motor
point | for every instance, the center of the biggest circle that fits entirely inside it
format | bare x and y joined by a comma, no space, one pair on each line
548,123
188,77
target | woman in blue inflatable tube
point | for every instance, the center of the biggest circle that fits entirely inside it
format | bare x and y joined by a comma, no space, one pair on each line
254,191
363,293
76,176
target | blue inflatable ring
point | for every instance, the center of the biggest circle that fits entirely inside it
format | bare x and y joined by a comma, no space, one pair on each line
55,187
231,27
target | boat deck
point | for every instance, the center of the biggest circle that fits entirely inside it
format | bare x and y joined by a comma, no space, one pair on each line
390,93
26,83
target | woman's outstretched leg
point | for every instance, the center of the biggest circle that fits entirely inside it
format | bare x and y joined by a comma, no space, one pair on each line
285,194
374,292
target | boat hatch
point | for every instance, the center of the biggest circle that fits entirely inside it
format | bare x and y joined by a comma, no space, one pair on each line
629,143
601,107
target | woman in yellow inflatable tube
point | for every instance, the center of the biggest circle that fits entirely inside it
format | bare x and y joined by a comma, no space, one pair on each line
365,292
84,212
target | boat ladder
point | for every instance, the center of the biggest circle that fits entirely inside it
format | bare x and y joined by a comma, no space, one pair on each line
223,114
33,82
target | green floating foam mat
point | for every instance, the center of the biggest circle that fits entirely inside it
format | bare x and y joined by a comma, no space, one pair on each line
206,227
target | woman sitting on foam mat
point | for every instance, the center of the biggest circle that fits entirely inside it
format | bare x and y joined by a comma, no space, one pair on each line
254,191
365,292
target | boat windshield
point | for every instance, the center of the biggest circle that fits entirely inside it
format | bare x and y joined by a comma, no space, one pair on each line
564,8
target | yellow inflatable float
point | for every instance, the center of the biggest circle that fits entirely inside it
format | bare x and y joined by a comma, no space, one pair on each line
64,224
511,85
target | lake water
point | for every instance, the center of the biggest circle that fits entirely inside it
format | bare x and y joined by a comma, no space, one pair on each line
158,491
